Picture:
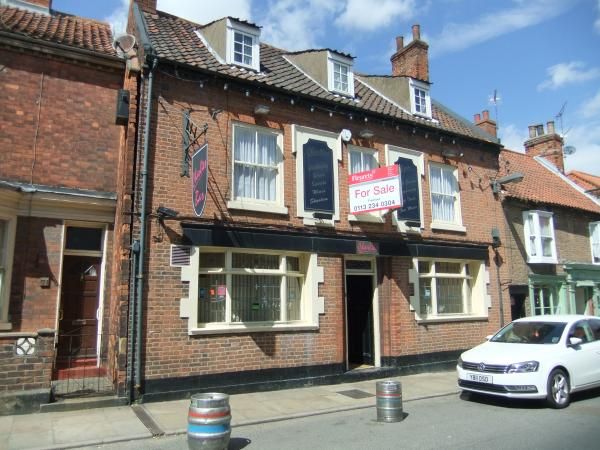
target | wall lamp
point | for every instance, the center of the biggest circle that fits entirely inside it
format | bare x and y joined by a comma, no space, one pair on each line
451,153
514,177
262,110
166,213
366,134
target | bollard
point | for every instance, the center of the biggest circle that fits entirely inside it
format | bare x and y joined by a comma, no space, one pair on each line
389,401
209,419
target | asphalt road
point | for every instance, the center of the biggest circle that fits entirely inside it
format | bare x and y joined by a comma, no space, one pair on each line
457,422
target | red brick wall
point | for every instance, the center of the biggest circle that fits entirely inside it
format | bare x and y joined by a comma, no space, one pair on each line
26,372
58,123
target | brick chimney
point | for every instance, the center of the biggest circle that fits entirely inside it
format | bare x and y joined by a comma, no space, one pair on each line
547,144
484,122
412,60
147,5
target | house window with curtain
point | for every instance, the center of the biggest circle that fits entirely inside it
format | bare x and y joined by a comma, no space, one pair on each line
257,169
445,198
595,241
244,287
540,244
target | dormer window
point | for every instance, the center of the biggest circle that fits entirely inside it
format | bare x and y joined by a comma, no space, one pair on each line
341,78
420,101
243,47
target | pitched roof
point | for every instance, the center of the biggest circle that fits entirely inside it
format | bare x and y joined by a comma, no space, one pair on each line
174,39
541,185
587,181
58,28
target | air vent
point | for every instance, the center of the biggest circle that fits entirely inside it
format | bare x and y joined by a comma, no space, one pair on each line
180,255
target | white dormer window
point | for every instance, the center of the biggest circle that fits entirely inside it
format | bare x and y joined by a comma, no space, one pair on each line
420,101
340,75
243,45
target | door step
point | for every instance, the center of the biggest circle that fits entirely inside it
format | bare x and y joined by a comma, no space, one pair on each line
75,404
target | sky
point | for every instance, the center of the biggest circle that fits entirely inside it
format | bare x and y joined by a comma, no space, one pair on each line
540,57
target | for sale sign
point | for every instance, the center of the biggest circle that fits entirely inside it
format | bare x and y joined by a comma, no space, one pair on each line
374,190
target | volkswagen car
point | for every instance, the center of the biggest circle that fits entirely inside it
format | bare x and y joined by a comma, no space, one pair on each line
541,357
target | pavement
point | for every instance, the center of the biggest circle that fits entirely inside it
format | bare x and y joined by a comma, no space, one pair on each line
72,429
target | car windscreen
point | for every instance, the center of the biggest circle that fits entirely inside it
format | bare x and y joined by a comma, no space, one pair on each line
530,333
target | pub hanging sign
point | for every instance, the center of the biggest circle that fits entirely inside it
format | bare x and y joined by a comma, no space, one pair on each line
199,179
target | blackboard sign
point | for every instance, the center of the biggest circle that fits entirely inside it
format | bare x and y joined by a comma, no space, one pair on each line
318,177
409,179
199,179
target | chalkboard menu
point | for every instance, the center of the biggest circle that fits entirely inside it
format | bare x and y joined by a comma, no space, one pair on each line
318,177
409,179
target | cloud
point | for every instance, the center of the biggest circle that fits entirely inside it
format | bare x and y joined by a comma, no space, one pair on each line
591,107
585,137
512,137
118,18
458,36
568,73
206,11
363,15
597,22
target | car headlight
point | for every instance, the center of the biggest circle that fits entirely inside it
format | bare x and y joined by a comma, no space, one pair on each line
527,366
459,362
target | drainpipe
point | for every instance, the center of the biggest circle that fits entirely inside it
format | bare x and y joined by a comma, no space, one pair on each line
143,224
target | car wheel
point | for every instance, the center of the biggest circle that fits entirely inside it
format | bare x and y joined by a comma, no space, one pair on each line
559,391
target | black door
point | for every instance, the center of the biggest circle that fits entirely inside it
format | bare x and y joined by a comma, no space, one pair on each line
359,298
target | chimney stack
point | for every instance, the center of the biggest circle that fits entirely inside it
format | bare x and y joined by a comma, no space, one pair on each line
484,122
148,6
411,60
548,145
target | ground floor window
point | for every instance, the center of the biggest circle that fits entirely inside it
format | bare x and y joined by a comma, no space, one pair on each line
545,300
244,287
449,288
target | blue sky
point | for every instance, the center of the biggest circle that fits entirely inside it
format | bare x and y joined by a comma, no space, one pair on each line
541,56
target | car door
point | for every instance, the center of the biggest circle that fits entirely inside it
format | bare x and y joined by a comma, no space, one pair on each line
582,358
595,346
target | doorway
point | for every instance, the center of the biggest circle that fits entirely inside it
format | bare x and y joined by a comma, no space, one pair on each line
359,311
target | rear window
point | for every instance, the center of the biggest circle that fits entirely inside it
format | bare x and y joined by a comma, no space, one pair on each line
530,333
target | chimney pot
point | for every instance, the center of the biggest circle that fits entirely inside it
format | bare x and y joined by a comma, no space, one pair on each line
416,32
477,118
399,43
486,114
550,127
531,131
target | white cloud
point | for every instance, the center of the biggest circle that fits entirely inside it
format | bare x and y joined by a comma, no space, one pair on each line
597,22
523,14
585,137
568,73
512,137
591,107
118,18
206,11
364,15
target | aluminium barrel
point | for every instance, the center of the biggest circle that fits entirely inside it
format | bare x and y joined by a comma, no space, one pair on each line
389,401
209,422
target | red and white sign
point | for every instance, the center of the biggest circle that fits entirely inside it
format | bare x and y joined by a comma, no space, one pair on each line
375,190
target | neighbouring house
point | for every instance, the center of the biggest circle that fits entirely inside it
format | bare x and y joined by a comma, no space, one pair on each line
297,222
61,325
588,182
552,234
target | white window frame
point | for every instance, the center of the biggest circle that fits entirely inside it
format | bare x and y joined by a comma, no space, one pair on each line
424,87
535,250
392,153
300,135
332,60
554,299
375,216
475,303
253,204
311,304
456,224
595,242
6,265
252,32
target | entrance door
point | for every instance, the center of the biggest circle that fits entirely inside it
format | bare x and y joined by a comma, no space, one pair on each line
78,324
359,299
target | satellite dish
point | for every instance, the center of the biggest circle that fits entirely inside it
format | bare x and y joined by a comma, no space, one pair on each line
124,44
569,150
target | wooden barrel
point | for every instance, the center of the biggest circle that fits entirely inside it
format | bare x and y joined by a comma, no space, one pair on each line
209,422
389,401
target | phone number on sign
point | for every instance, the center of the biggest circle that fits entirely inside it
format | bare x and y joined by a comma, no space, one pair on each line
374,205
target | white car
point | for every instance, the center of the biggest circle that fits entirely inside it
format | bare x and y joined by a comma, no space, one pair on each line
536,357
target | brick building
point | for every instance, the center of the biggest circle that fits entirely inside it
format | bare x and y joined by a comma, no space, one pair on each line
263,262
59,319
552,234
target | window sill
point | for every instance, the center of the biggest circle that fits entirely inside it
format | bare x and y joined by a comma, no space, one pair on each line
5,326
367,218
448,227
242,328
450,318
542,261
259,207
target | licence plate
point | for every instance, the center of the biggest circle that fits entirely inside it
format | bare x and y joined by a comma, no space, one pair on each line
480,378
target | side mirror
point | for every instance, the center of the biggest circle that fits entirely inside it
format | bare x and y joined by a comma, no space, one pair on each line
575,341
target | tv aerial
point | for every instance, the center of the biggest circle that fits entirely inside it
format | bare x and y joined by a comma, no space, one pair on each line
124,45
